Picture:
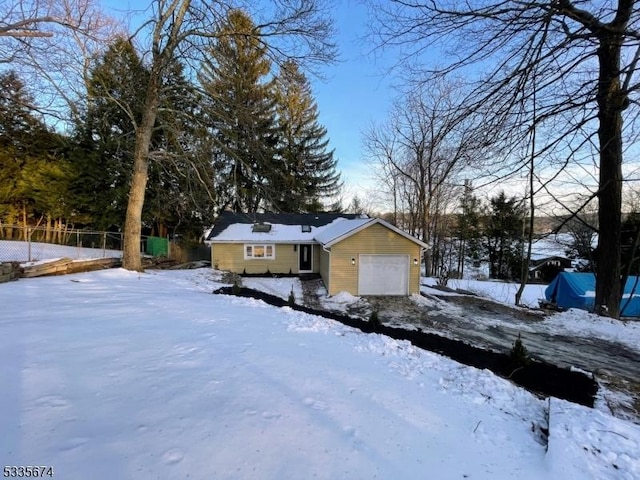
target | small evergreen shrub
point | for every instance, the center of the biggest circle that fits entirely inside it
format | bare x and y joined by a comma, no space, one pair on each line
235,288
292,298
374,320
519,354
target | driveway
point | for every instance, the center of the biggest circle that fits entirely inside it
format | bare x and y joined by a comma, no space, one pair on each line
460,317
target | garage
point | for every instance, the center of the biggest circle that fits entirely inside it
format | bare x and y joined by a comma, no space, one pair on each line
383,275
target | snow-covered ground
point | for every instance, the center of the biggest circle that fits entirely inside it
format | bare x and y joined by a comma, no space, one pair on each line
13,251
503,292
114,374
573,322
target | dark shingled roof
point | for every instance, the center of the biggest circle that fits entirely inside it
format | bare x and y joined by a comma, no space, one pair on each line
314,219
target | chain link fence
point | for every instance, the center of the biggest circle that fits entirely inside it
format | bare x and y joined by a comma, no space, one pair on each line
31,244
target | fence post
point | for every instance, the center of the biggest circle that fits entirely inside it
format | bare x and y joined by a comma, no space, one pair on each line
104,244
29,244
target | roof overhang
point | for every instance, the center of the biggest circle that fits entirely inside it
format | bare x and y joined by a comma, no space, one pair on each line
358,228
265,241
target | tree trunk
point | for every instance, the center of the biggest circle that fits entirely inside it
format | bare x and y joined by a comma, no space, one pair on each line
611,102
131,257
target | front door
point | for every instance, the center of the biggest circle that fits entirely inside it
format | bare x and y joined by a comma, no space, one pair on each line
305,260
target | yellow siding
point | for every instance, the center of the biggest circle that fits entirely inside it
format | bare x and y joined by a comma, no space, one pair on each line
230,257
316,258
376,239
325,265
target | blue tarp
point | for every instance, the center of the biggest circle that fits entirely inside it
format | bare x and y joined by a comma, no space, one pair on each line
578,290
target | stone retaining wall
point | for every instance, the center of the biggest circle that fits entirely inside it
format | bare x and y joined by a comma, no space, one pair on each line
8,271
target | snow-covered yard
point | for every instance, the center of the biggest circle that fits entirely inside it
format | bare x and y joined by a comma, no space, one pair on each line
114,374
36,252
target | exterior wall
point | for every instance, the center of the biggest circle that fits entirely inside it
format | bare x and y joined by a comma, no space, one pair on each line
375,239
325,266
316,258
230,257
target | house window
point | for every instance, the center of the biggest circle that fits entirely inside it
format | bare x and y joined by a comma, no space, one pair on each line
306,228
259,251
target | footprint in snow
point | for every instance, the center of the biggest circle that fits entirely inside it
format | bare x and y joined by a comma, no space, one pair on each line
271,416
73,443
173,456
315,404
53,401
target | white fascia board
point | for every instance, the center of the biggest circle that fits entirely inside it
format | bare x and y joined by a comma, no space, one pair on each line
373,221
267,241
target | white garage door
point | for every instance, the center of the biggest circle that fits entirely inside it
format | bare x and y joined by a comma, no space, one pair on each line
383,275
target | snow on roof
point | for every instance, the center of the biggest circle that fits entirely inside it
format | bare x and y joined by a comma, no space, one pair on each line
243,232
325,234
551,246
340,227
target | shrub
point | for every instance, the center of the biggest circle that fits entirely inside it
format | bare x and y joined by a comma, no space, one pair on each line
235,288
519,354
374,321
292,298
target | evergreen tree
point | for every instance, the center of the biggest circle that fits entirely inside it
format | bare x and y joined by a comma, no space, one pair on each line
34,176
241,108
468,227
503,239
105,142
180,177
309,168
176,193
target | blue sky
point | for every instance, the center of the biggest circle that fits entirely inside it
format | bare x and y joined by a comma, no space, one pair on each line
353,93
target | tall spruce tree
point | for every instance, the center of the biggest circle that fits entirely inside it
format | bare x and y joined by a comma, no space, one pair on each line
106,139
504,236
176,201
308,167
468,226
241,107
179,191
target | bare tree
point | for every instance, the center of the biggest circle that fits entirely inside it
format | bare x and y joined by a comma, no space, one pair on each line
50,43
583,55
25,19
292,30
420,152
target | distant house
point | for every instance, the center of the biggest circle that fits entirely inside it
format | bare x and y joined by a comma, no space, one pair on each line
544,268
359,255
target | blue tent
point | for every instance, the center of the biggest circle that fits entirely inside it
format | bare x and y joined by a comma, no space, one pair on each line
578,290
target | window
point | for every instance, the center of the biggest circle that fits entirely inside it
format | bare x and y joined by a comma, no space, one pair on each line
259,251
306,228
261,228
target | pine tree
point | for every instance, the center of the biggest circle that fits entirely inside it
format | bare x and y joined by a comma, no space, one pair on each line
178,194
241,108
176,199
106,139
309,168
468,226
34,175
504,235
